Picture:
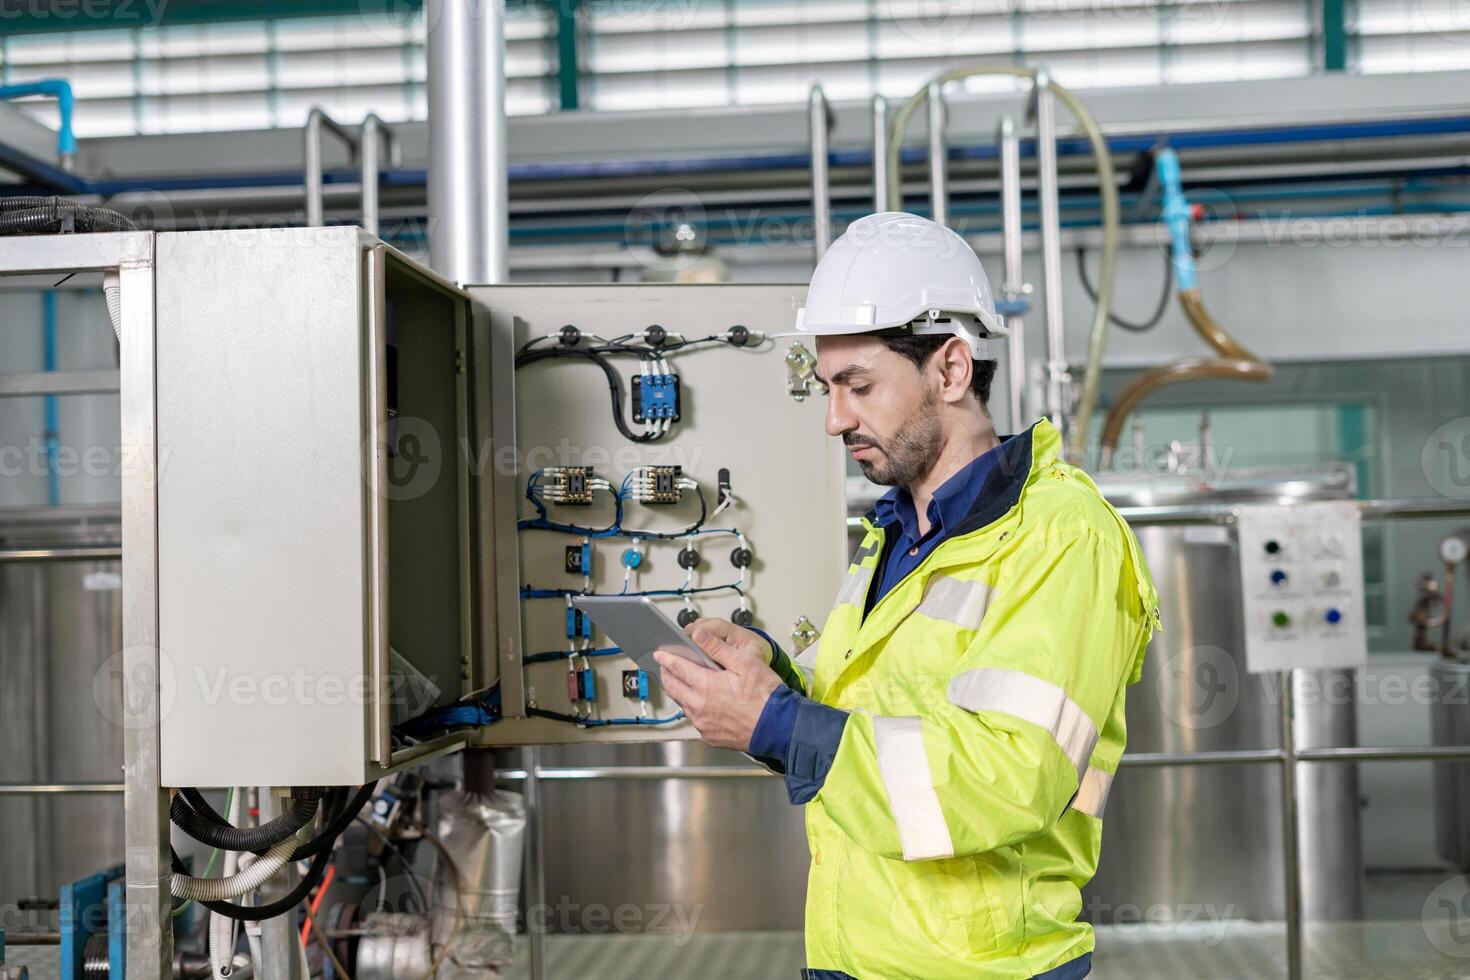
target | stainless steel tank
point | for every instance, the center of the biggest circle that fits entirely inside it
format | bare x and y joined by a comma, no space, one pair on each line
1450,724
60,625
1187,842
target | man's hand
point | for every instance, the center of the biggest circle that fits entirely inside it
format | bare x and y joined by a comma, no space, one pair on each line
724,705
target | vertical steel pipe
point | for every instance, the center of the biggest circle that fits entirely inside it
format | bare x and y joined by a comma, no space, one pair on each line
1045,113
938,157
1290,829
1012,288
880,154
494,223
817,126
318,123
373,139
145,801
536,918
454,90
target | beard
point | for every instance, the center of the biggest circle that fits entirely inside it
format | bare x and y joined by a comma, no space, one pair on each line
910,452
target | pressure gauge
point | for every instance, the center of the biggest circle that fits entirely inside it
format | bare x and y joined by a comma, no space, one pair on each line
1454,548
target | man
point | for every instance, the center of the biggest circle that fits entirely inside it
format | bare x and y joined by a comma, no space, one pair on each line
953,734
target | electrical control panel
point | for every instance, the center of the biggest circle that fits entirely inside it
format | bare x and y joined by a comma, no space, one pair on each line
657,452
1301,568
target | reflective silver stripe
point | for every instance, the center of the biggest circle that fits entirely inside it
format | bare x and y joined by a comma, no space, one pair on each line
1032,699
955,600
806,663
855,586
1092,795
912,798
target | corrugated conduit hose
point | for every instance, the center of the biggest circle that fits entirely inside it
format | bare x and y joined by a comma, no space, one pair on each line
186,814
257,872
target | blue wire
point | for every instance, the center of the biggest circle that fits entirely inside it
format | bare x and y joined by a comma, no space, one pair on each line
527,592
553,655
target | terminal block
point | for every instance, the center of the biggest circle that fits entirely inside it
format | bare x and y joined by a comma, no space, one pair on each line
658,484
569,484
655,397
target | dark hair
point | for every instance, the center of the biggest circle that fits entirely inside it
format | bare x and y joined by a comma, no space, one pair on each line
920,348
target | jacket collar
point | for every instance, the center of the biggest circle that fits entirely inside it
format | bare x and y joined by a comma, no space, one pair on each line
1019,457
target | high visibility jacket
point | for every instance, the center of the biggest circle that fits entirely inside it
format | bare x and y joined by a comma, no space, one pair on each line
962,811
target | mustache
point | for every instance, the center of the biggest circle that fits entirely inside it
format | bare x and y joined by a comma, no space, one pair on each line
852,440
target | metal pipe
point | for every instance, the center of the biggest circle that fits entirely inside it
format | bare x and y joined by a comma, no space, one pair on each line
454,149
1012,287
1290,843
317,120
1141,760
101,381
57,789
494,224
374,134
61,553
1043,109
880,154
938,157
51,411
535,857
818,122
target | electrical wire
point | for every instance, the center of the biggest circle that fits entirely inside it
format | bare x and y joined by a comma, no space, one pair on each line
1159,310
185,815
602,722
614,382
179,910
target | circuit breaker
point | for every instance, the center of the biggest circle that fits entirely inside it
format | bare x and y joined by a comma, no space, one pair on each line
657,451
1301,568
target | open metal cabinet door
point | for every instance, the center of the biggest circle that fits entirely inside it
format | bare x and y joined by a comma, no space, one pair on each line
587,498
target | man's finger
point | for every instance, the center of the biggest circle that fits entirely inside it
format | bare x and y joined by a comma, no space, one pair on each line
687,671
736,636
724,653
675,688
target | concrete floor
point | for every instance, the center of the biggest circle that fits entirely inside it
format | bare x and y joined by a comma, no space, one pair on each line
1238,951
1421,931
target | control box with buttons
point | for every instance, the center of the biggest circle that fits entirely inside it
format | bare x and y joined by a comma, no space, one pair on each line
1301,568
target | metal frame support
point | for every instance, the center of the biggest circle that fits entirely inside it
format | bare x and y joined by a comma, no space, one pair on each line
1290,831
373,136
494,174
1043,110
880,155
145,802
819,123
535,862
316,121
1012,288
938,156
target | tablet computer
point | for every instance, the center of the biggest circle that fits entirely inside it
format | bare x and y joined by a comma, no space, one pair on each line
639,627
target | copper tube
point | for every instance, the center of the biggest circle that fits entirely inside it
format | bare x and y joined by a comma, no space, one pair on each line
1235,363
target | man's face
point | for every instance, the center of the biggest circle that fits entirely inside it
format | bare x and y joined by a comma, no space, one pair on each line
885,410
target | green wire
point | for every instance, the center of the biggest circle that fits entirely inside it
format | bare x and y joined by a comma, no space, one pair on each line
213,857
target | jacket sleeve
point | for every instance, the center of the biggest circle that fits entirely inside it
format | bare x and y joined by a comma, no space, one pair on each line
1000,752
792,671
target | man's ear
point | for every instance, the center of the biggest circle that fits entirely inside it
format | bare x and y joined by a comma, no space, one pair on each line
955,369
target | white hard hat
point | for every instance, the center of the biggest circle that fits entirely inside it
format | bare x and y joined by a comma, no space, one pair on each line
899,271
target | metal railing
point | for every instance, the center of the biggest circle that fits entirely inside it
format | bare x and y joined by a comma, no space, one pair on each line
367,151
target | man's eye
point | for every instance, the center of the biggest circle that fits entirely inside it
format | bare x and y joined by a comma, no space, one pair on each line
861,390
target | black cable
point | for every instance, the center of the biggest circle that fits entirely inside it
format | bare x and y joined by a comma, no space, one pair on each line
53,215
333,828
1158,314
186,814
319,848
682,532
614,383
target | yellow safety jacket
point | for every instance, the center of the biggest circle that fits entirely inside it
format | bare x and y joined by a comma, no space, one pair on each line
962,811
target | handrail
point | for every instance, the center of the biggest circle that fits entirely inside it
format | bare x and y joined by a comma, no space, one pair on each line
316,121
60,89
375,134
819,123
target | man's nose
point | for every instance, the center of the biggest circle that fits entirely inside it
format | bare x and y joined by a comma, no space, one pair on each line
839,417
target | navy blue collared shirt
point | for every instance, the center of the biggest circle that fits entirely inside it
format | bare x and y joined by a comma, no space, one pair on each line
906,548
800,735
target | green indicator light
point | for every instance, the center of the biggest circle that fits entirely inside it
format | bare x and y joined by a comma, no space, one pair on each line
1280,618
